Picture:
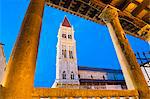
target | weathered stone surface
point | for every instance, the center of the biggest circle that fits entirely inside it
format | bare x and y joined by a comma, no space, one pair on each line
20,70
1,92
59,92
130,67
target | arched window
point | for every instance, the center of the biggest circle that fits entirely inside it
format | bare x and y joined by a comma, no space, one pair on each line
64,55
69,36
72,75
64,75
79,75
91,76
64,35
70,54
103,77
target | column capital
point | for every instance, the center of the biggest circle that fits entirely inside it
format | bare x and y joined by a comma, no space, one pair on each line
145,32
109,13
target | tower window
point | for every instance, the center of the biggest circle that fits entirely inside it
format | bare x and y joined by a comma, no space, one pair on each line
91,76
64,35
70,54
69,36
64,53
64,75
103,77
72,75
79,76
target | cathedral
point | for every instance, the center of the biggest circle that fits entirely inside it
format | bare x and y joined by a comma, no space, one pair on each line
70,75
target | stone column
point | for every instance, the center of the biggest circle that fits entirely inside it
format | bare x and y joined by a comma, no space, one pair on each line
84,97
70,97
1,92
131,70
19,78
97,98
53,97
36,97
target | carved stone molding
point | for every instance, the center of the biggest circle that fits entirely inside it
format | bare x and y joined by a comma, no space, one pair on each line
145,32
108,14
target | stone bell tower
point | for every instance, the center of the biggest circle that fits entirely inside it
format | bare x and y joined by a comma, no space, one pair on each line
66,60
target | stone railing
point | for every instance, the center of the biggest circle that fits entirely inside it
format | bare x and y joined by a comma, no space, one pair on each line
48,93
94,87
83,86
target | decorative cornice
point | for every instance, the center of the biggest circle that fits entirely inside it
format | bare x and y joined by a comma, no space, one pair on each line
145,32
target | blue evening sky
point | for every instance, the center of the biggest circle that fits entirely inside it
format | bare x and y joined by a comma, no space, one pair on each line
94,45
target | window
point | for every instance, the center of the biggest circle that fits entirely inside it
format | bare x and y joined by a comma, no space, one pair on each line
64,53
91,76
70,54
64,75
69,36
64,35
79,76
103,77
72,75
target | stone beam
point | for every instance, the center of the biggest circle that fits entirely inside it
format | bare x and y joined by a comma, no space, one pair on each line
19,78
131,69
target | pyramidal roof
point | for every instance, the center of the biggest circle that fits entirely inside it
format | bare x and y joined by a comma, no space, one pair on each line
66,22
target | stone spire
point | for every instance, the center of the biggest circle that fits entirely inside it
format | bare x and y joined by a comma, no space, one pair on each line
66,22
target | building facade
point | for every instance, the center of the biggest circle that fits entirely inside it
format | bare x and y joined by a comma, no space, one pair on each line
100,78
70,75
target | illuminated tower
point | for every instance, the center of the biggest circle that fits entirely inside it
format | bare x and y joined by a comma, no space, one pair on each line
66,61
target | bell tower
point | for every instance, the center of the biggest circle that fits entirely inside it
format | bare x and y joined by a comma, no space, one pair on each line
66,60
